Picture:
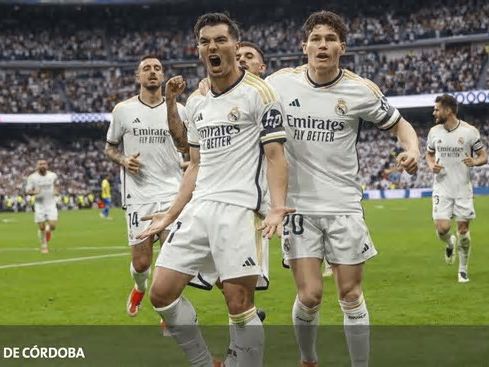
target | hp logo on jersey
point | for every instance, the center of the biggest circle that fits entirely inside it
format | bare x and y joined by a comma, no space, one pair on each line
272,119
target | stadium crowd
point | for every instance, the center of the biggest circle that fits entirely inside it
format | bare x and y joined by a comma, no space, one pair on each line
98,35
98,90
80,164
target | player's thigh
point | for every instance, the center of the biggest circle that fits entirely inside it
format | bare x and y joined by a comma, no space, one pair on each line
348,280
302,237
186,248
347,239
234,240
307,275
464,209
442,207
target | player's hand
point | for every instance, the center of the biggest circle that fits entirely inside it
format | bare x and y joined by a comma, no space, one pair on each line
272,224
437,168
132,163
204,86
469,161
159,222
174,87
408,161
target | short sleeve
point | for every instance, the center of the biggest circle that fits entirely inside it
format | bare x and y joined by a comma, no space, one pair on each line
188,116
115,132
430,146
269,114
376,109
477,143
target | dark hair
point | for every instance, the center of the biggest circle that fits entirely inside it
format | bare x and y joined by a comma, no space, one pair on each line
449,101
211,19
254,46
328,18
149,56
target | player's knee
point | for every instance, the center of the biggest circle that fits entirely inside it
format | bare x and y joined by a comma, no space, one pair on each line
141,263
239,302
350,292
161,297
462,229
311,296
442,229
52,227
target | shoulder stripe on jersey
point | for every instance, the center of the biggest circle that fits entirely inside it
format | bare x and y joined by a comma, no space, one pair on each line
260,82
368,83
265,95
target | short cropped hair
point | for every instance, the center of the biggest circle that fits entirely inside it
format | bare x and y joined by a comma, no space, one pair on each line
254,46
449,101
149,56
211,19
328,18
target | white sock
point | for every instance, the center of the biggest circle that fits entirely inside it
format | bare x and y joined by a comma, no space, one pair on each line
357,332
42,237
140,278
249,338
232,356
463,245
181,319
306,323
445,238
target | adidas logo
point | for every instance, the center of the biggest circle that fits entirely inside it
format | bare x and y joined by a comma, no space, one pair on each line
199,117
249,262
136,121
295,103
366,247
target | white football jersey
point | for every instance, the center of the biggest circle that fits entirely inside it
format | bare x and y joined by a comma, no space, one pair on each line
450,148
45,184
144,129
322,123
230,129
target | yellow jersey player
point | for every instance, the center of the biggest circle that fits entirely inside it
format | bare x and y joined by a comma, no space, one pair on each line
453,147
42,184
324,106
106,197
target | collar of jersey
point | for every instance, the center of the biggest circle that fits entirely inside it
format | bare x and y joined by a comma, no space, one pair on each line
455,128
147,105
328,84
214,94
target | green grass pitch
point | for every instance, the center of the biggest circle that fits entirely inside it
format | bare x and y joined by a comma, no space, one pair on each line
408,283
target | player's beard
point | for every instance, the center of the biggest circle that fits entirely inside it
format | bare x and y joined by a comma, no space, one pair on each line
42,171
152,88
441,120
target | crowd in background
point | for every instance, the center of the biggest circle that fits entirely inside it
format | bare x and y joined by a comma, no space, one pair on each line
80,164
124,34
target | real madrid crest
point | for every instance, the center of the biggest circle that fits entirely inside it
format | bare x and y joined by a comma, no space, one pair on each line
461,141
341,108
234,114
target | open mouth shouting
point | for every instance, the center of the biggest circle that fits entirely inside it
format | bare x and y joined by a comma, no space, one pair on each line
322,56
215,60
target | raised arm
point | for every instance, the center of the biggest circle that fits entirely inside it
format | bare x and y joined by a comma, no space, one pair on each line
174,87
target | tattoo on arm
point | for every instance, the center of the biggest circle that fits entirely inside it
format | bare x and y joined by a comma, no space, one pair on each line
177,128
114,154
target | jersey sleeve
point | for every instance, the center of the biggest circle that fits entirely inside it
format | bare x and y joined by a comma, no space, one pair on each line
477,143
29,186
269,115
376,109
192,133
115,132
430,146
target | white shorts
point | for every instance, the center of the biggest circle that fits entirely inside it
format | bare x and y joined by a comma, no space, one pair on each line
461,209
207,280
44,213
213,238
134,213
340,239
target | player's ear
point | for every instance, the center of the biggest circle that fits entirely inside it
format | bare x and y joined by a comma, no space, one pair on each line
342,48
138,77
304,48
